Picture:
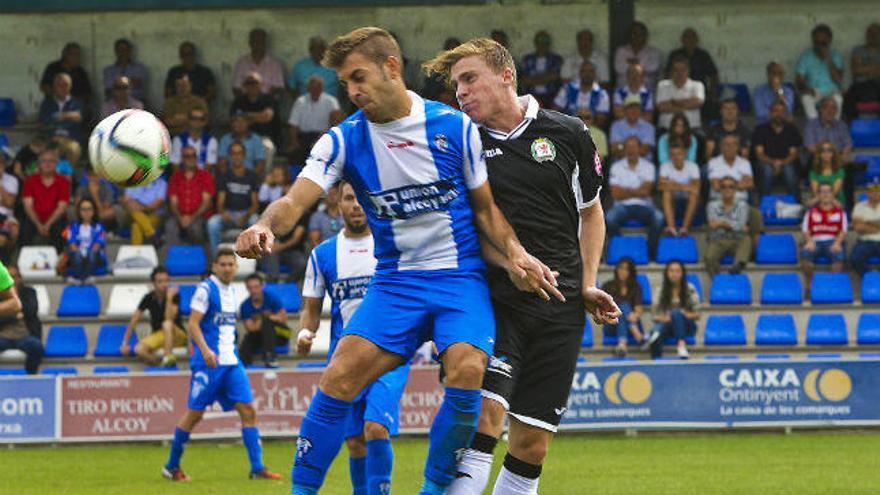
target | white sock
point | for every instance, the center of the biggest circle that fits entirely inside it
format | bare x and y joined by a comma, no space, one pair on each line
473,473
508,483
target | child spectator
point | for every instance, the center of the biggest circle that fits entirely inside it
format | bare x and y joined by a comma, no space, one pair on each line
85,240
274,187
675,311
680,185
627,293
824,229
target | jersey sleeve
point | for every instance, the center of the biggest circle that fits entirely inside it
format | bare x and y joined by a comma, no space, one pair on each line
313,283
589,171
199,300
475,173
325,163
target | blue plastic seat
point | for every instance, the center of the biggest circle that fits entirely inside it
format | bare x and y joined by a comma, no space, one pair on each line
871,170
587,339
66,341
282,349
12,371
721,357
768,209
730,289
688,339
288,293
869,355
868,330
694,279
741,90
824,355
58,370
83,300
865,132
782,288
725,330
185,260
634,246
827,329
773,356
7,112
610,359
831,288
311,364
683,249
582,359
645,284
776,330
776,249
160,369
110,340
110,369
871,288
186,292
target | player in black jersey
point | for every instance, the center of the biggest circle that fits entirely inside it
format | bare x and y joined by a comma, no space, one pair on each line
546,176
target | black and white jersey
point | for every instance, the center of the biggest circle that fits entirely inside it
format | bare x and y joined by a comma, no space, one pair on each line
542,174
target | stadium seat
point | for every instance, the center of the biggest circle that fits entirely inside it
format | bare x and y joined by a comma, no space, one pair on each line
871,288
79,300
688,339
582,359
782,288
37,263
110,369
773,356
776,330
124,299
160,369
7,113
110,339
865,133
645,284
725,330
58,370
282,349
185,260
831,288
43,302
587,339
730,289
66,341
694,279
869,355
12,371
186,292
288,293
741,90
135,262
634,246
311,364
868,330
827,329
609,359
683,249
872,169
12,356
721,357
776,249
768,209
824,355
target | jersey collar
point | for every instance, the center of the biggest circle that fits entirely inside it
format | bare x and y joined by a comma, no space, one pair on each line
532,108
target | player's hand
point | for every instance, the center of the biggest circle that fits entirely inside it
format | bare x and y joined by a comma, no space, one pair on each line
124,349
210,358
255,242
528,274
600,306
304,342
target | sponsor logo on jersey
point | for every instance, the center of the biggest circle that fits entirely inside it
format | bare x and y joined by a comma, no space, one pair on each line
543,150
392,145
493,152
349,288
597,163
412,201
559,410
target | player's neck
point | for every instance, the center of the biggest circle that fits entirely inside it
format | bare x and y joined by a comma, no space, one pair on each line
511,114
398,107
348,233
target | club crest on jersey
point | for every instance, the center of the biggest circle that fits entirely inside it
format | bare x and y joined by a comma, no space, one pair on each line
440,142
543,150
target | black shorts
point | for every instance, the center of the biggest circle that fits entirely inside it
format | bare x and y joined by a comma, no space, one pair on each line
532,367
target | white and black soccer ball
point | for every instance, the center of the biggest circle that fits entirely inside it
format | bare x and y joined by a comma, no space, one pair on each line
130,148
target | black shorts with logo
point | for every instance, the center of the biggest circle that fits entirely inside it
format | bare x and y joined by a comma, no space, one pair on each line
533,365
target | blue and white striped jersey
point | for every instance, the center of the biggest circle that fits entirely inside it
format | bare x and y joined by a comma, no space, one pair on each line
218,303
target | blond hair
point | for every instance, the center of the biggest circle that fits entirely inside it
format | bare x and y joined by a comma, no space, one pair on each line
490,51
374,43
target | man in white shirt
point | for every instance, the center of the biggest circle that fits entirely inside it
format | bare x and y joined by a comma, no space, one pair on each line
730,164
631,181
680,184
680,93
571,66
638,51
312,114
866,223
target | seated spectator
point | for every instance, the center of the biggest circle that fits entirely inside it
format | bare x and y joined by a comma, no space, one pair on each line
61,116
627,294
255,154
676,311
308,67
635,85
86,241
190,194
25,162
271,74
289,249
776,144
236,197
145,211
176,110
539,75
435,86
865,73
679,130
70,63
313,113
824,228
632,125
275,186
22,331
773,90
702,67
584,92
259,109
730,124
638,51
819,71
600,139
631,181
680,93
729,163
327,222
45,196
120,98
827,169
9,226
728,221
103,197
866,223
166,324
827,127
586,52
201,77
265,322
197,138
680,185
126,66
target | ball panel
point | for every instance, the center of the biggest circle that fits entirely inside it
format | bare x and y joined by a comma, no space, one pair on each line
130,148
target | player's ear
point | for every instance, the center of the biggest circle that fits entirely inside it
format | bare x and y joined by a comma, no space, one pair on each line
393,67
507,75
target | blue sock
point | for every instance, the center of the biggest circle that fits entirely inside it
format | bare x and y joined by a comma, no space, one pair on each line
320,438
453,429
251,437
180,438
357,469
380,459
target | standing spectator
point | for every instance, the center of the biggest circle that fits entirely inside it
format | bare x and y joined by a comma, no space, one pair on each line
776,144
259,110
730,164
22,331
827,168
728,219
120,98
275,186
632,181
819,71
70,64
680,130
627,294
680,185
255,154
828,127
265,320
539,75
586,52
61,116
145,210
730,124
166,324
585,92
86,240
632,125
9,226
197,138
326,223
103,197
676,311
680,93
176,110
824,228
311,66
702,67
866,223
773,90
313,113
25,162
269,68
600,139
190,193
638,51
45,197
126,66
237,203
635,85
201,77
865,72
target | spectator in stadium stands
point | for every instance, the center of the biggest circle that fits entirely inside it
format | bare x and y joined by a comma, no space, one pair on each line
635,85
44,198
275,185
600,139
632,125
776,145
327,222
9,226
145,211
197,138
584,92
259,109
201,77
728,221
827,168
627,294
824,229
540,73
730,124
237,203
70,64
166,325
103,196
61,116
265,320
312,114
500,37
702,67
773,90
680,93
310,66
23,331
176,109
435,87
86,240
730,163
271,81
586,52
638,51
632,181
866,224
255,154
412,70
120,98
679,129
126,66
819,71
190,194
680,185
289,249
25,162
828,127
865,73
676,311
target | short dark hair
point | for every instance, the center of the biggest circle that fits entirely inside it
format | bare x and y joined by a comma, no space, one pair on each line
122,41
376,44
73,45
822,28
254,276
156,271
224,251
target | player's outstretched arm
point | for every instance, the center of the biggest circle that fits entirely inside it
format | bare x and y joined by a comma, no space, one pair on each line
195,332
279,218
309,319
597,302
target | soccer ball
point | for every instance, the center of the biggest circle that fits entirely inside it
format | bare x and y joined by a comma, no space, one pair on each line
130,148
